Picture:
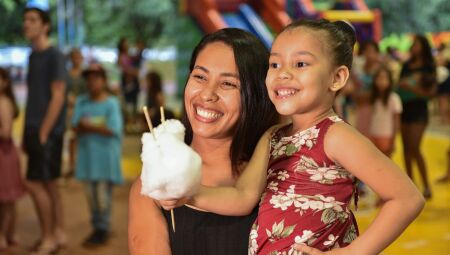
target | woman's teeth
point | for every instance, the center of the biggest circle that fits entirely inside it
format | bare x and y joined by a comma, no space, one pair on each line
208,114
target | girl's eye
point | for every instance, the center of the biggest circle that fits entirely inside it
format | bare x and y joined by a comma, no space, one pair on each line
274,65
301,64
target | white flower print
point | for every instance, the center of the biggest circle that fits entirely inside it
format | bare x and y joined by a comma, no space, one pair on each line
281,201
270,173
283,175
253,245
335,118
306,235
273,186
331,240
323,174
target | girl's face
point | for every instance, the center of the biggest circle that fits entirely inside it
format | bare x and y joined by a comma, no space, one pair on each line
300,72
96,84
382,81
212,94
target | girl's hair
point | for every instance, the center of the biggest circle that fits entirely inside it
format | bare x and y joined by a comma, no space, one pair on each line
376,93
7,90
257,111
340,38
154,84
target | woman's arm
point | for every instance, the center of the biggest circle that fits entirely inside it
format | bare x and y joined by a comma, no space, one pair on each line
147,227
243,197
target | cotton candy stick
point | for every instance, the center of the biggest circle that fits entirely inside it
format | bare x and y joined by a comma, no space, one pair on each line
163,119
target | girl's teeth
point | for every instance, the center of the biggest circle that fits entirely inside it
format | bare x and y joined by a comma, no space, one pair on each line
285,92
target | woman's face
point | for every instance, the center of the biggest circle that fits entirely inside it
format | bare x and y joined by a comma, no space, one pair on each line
212,95
416,48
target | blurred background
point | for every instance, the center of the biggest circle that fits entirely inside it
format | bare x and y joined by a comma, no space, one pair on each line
160,36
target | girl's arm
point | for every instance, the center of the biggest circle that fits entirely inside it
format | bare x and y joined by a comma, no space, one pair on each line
246,193
403,202
6,118
147,227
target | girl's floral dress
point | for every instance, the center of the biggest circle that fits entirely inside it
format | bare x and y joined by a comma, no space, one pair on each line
307,196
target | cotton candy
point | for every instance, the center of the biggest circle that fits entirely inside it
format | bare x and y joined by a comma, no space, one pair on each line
170,168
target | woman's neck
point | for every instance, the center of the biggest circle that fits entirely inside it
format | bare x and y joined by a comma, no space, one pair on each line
216,163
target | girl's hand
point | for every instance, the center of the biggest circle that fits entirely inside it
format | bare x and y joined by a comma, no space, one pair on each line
305,249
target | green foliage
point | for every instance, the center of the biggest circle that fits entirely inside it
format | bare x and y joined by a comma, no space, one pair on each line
106,21
413,16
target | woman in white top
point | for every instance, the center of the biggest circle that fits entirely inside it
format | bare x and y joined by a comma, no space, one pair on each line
386,110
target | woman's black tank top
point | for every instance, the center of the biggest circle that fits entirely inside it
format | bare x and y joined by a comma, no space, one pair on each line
204,233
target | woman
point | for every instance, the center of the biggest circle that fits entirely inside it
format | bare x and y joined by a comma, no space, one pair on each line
226,110
417,85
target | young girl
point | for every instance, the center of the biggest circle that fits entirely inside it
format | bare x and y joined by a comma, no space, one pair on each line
386,110
11,186
314,161
98,123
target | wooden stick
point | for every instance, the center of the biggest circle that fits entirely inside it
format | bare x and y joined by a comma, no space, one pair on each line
150,126
163,118
172,216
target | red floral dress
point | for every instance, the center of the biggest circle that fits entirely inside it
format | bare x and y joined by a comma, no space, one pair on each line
307,197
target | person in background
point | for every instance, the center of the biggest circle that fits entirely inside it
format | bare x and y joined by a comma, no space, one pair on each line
416,86
44,129
362,84
386,110
76,85
11,183
97,121
129,82
155,98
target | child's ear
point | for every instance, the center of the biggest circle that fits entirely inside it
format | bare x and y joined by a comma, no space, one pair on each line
340,78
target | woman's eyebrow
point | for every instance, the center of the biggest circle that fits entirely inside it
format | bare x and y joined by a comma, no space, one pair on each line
234,75
201,68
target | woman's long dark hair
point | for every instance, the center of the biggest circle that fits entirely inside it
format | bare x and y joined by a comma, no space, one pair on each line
376,93
428,79
258,112
7,90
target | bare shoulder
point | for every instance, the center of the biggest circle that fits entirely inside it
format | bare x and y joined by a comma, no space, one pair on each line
342,138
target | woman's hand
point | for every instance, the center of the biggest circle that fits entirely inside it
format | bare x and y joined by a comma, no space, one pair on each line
173,203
